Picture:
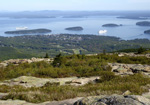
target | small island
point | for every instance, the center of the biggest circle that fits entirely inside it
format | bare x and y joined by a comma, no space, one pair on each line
147,32
33,31
111,25
143,23
132,17
78,28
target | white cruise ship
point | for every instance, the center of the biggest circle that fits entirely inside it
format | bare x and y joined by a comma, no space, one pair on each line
102,32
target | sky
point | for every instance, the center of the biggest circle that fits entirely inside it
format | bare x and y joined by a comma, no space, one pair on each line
79,5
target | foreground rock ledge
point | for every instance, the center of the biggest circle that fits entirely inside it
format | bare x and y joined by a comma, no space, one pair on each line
93,100
29,81
114,100
19,102
130,69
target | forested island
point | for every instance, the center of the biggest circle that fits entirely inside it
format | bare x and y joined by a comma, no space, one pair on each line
143,23
147,32
33,31
133,17
111,25
78,28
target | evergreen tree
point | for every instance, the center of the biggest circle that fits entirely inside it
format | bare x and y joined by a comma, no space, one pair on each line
141,50
46,56
58,60
104,52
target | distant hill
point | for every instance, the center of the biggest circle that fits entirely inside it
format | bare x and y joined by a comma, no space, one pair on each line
39,45
12,53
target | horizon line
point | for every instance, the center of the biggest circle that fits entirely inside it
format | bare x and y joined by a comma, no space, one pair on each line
66,10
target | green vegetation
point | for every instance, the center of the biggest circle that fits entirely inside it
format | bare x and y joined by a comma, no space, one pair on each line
113,85
67,66
9,52
46,56
74,65
140,50
66,44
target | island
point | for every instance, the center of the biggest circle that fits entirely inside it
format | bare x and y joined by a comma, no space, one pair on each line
111,25
33,31
78,28
143,23
132,17
147,32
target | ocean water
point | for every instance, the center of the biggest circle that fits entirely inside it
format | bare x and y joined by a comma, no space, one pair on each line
91,25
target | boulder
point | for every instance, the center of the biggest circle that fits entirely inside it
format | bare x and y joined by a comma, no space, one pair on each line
146,69
83,81
114,100
129,69
3,64
91,100
2,95
126,93
140,99
140,68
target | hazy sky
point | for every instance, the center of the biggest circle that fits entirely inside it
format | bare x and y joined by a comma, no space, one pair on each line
19,5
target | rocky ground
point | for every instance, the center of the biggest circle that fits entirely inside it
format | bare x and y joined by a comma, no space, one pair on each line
19,102
133,55
130,69
28,81
117,68
20,61
92,100
114,100
124,99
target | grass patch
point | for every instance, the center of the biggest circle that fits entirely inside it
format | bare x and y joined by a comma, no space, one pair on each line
115,85
76,51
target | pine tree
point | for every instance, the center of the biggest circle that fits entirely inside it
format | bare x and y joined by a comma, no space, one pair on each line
104,52
46,56
141,50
